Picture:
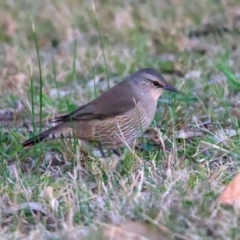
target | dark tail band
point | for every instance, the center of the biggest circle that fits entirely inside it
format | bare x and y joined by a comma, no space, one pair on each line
52,133
34,140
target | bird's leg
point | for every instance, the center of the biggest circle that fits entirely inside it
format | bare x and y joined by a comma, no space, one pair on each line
101,150
117,152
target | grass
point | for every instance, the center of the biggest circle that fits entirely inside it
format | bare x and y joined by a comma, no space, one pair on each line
191,150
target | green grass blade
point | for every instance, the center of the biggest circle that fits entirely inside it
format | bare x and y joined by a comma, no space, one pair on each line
71,90
232,80
40,78
55,77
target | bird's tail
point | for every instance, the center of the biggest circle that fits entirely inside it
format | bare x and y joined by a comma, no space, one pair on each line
59,131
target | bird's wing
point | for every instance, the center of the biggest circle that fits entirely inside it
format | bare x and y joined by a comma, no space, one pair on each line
113,102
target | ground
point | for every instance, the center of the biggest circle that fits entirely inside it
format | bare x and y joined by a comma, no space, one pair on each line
57,55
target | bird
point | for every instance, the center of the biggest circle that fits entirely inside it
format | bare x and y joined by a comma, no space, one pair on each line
115,118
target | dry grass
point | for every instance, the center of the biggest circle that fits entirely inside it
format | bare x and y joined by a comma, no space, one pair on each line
166,191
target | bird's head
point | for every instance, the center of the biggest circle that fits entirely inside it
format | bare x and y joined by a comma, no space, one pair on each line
152,82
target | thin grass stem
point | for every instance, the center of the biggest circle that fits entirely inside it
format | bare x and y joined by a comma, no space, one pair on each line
101,42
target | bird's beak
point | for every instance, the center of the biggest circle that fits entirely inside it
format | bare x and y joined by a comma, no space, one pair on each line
170,88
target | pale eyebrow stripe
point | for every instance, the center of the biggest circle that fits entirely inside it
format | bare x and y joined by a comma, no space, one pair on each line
151,77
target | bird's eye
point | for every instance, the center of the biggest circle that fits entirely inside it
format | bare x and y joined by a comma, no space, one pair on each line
156,84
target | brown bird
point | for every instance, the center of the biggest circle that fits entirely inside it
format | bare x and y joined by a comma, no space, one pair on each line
116,117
